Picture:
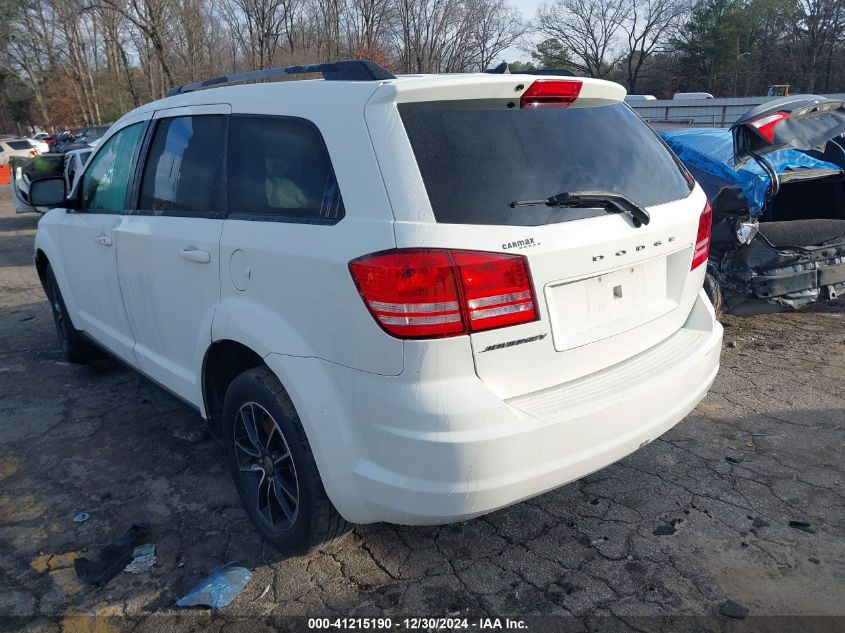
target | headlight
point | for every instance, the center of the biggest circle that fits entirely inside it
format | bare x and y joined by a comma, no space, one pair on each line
746,231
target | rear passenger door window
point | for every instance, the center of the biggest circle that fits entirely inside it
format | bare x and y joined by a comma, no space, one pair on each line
279,169
184,174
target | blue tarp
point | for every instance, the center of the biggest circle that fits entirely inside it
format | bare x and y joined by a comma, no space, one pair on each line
708,153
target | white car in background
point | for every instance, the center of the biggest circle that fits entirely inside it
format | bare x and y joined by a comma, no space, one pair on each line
691,96
38,144
15,148
407,299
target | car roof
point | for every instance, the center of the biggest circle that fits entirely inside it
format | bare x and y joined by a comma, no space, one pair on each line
421,87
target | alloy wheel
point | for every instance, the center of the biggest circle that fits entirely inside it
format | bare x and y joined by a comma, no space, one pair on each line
266,466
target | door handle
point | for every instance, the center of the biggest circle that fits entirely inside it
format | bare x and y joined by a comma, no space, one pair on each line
104,240
194,254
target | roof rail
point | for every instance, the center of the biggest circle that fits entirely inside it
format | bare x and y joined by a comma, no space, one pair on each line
348,70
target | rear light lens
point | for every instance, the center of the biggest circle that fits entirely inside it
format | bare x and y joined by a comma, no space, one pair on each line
702,239
765,125
432,293
555,93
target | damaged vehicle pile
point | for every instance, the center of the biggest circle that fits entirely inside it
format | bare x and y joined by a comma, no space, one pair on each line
778,190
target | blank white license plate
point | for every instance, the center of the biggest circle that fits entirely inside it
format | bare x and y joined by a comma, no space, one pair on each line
601,306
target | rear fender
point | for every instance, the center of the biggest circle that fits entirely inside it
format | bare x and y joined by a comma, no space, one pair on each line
257,327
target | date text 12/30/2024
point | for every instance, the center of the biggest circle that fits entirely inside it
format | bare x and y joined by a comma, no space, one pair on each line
415,624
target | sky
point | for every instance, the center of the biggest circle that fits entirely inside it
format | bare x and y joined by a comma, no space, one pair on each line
529,9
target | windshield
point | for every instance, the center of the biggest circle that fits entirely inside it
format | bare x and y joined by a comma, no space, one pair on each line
475,161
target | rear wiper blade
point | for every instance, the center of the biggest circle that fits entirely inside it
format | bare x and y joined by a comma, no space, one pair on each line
609,200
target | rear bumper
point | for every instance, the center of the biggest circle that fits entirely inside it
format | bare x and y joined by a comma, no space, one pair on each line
427,452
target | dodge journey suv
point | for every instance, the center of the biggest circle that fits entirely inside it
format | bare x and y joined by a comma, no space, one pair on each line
410,299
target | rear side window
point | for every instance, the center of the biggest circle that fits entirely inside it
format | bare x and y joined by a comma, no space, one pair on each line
279,169
476,161
183,174
19,145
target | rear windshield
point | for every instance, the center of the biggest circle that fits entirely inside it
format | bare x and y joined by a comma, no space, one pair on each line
476,161
19,144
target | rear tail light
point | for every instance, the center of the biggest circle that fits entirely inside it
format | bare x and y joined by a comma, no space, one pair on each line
556,93
702,239
432,293
33,152
765,125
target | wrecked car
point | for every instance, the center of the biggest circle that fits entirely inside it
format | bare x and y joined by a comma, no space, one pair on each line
776,180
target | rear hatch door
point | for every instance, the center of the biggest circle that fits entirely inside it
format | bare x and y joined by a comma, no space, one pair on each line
454,158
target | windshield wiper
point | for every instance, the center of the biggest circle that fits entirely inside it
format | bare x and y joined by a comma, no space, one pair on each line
608,200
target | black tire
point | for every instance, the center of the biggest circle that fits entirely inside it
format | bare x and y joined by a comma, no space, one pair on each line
293,526
714,293
75,348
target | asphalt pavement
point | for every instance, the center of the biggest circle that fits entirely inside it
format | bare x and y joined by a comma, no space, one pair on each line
743,501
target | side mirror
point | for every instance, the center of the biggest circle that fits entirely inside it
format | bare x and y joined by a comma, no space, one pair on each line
47,192
730,201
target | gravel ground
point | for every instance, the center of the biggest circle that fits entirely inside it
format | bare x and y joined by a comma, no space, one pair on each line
661,539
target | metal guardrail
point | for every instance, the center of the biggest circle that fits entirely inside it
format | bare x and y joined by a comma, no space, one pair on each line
701,112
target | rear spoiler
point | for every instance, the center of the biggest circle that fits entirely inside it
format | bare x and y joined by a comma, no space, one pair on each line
504,69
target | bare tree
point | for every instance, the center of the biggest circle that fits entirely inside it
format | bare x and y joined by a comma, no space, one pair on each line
27,34
259,26
367,22
818,30
151,17
496,27
588,29
646,27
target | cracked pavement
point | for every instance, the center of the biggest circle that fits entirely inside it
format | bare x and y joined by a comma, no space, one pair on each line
763,449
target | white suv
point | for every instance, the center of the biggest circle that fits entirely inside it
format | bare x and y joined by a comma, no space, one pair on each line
408,299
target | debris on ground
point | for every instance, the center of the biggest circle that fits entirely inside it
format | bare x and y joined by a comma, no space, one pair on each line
81,517
112,558
749,443
803,526
191,436
666,529
263,593
217,589
733,460
759,522
733,610
814,560
143,557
